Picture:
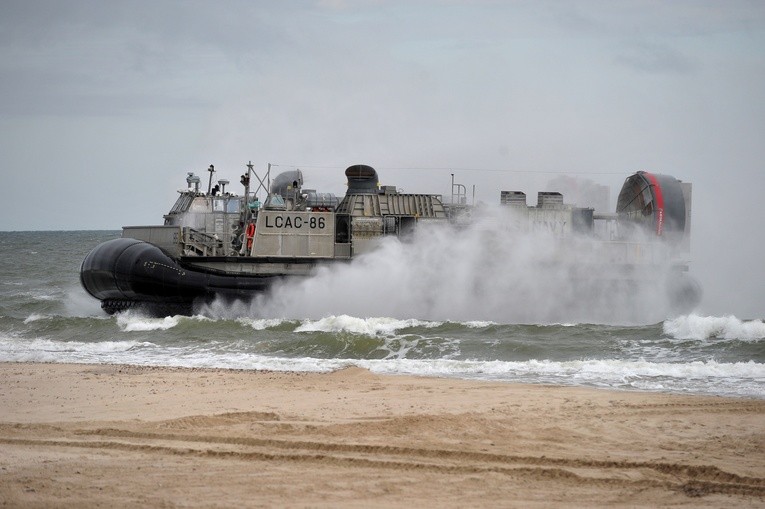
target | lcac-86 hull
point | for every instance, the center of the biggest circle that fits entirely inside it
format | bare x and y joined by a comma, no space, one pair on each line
217,244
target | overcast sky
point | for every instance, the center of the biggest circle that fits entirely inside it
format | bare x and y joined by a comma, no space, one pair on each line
104,106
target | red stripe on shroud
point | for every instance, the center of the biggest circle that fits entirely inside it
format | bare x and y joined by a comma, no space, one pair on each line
659,202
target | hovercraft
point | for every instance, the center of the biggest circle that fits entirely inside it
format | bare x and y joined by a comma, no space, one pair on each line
217,244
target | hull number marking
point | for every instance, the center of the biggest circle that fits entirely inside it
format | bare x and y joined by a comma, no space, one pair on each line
311,222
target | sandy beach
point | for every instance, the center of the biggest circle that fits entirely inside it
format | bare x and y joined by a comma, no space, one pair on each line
122,436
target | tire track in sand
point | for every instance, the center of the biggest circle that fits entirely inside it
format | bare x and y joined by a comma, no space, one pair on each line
693,480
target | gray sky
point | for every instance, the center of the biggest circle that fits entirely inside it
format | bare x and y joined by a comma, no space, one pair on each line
105,105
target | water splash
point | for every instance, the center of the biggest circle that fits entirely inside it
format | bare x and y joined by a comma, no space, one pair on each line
706,327
486,273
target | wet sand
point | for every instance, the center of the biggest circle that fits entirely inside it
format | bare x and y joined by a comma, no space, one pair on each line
123,436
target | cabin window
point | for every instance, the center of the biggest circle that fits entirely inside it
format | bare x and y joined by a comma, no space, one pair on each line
274,202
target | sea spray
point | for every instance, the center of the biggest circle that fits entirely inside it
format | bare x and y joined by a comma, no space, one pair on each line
490,271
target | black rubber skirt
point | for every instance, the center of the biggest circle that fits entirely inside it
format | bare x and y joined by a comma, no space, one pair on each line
127,273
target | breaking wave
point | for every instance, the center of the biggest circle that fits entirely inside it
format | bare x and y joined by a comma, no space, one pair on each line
365,326
720,327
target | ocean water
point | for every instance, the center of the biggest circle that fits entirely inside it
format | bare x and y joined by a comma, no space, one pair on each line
348,318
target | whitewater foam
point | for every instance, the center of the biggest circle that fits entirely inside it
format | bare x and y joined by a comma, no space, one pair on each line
130,322
478,324
380,326
34,317
708,376
721,327
47,350
260,323
45,298
739,378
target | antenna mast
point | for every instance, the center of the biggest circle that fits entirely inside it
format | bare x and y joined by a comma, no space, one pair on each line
211,169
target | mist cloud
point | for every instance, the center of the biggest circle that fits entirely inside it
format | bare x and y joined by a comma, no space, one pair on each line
489,271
